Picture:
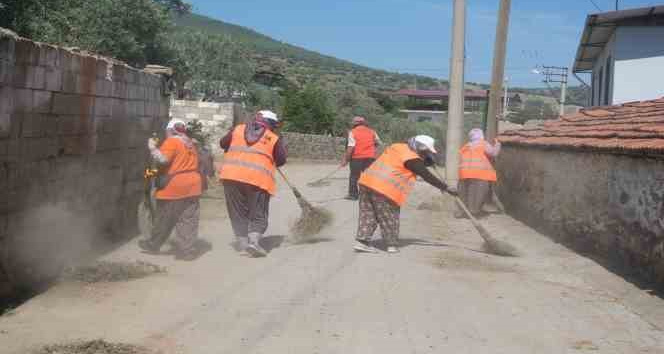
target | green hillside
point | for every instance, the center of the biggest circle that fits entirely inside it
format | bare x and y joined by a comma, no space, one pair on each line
302,65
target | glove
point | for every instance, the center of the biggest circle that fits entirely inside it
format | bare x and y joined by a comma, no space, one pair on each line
152,144
450,191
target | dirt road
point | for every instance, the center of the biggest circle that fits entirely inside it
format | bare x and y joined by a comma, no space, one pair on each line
441,294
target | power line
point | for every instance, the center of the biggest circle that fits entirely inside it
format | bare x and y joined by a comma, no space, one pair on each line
596,6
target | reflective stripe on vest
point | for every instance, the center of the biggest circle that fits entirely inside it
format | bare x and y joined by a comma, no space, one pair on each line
389,176
474,164
253,164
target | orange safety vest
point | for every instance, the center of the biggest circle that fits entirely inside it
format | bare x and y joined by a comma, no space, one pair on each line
250,164
389,176
474,164
365,143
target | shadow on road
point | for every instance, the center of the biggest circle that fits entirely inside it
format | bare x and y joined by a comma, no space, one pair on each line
407,242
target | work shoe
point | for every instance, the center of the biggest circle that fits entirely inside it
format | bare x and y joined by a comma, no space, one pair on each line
255,250
148,247
392,249
364,247
241,244
189,255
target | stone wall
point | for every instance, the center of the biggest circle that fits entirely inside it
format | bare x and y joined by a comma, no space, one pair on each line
217,118
610,206
73,130
314,147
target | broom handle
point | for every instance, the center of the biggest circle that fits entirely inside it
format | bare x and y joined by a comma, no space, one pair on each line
329,175
285,178
476,224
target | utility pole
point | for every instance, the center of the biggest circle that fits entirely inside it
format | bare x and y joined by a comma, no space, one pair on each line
556,74
498,71
455,109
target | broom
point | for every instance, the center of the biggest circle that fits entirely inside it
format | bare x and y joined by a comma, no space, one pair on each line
323,181
312,219
495,246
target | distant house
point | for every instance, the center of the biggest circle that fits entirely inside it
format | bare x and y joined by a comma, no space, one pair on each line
624,52
431,105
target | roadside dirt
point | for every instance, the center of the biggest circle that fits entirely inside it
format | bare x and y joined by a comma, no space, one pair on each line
93,347
105,271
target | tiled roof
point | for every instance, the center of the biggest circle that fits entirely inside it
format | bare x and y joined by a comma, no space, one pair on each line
630,127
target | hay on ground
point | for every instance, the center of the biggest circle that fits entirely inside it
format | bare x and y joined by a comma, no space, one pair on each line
320,183
104,271
93,347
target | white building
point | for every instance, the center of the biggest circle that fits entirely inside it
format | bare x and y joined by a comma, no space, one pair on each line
624,53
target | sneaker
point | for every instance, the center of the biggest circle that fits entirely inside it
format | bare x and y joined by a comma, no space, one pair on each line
148,247
241,244
255,250
363,247
392,249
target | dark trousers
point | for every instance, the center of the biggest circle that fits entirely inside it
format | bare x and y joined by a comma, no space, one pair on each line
474,193
248,207
357,166
181,214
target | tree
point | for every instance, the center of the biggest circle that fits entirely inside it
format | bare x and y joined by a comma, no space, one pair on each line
308,111
215,66
130,30
533,109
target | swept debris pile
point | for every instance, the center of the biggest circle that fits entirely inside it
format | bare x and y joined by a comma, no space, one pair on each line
93,347
103,271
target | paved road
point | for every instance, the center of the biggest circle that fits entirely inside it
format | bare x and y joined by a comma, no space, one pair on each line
440,295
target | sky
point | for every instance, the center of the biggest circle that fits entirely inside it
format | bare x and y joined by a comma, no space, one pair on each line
414,35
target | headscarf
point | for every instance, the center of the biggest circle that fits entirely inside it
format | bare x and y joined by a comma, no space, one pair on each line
177,128
475,136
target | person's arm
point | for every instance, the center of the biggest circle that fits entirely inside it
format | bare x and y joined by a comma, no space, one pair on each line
166,152
492,150
349,149
225,142
280,153
418,167
377,140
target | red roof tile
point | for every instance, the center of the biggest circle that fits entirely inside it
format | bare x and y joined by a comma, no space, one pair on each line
630,127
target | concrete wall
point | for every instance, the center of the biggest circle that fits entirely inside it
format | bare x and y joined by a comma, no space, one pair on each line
217,118
73,130
314,147
611,206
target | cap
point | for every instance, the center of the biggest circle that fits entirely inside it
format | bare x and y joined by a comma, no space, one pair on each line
173,122
359,120
427,142
268,115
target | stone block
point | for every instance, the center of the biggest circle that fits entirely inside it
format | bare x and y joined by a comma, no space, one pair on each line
89,66
191,116
75,63
26,52
53,79
103,107
66,104
119,108
32,126
120,90
86,85
76,145
42,101
49,56
119,73
7,70
71,125
69,80
23,100
6,99
104,88
21,77
38,77
7,49
5,125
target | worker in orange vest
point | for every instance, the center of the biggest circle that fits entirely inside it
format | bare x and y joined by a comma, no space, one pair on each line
384,188
253,151
360,152
179,188
476,173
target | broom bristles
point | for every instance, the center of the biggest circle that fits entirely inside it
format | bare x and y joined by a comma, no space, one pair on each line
311,221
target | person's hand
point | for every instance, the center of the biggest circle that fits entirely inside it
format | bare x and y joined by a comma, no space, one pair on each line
152,143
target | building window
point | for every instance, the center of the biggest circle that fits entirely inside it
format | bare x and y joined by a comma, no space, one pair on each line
607,80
